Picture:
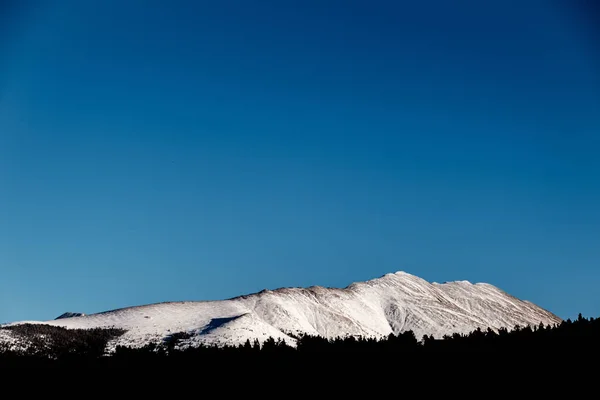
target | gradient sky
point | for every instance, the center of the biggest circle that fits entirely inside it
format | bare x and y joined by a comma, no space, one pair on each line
189,150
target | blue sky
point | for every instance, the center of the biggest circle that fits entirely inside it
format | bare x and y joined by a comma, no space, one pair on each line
187,150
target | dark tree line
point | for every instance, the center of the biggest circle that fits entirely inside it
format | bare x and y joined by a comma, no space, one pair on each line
48,345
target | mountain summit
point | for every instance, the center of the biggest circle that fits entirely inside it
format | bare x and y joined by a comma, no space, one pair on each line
393,303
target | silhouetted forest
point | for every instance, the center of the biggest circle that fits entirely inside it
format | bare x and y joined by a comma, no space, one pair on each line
54,346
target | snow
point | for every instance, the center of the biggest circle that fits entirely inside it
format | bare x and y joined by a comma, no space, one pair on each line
6,337
392,303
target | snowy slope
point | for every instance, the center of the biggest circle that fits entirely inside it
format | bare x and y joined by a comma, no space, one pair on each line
393,303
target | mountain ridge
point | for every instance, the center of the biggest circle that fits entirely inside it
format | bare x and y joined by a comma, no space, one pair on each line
391,303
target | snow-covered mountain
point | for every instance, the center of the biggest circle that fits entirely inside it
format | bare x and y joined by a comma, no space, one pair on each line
392,303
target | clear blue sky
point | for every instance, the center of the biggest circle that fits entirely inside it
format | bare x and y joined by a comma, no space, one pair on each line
192,150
